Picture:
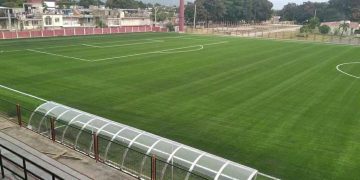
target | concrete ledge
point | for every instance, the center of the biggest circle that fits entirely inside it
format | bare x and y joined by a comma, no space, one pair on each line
41,150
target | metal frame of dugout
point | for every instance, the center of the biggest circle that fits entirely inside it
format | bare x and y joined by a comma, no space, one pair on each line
192,160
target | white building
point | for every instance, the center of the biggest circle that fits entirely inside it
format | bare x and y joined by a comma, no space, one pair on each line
335,27
52,21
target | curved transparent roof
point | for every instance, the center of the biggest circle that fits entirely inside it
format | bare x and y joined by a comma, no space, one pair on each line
189,158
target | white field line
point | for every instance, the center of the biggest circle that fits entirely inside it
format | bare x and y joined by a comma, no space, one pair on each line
129,41
351,75
22,93
119,57
52,47
162,51
152,52
10,51
120,45
154,39
215,43
90,45
70,57
167,51
171,51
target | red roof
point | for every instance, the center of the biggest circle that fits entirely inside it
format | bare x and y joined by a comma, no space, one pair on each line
353,25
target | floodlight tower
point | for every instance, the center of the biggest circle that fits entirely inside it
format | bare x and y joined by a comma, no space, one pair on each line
181,15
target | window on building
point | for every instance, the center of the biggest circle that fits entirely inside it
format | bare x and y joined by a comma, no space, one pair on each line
57,20
48,20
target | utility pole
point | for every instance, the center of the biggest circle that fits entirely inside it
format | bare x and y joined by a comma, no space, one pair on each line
195,16
315,13
9,19
155,10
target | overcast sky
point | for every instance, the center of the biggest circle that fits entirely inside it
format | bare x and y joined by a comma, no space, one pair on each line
279,4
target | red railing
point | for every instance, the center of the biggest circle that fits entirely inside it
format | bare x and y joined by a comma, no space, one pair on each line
78,32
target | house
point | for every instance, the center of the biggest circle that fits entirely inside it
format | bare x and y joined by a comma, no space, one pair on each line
6,17
32,16
46,14
335,27
121,17
52,21
9,18
135,17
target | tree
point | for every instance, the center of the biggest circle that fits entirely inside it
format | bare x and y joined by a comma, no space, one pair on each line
162,13
334,10
170,27
229,10
87,3
305,29
66,4
344,27
324,29
189,12
261,10
343,7
201,12
45,7
314,23
216,9
12,3
235,10
123,4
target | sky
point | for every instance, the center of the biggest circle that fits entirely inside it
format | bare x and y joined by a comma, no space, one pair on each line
279,4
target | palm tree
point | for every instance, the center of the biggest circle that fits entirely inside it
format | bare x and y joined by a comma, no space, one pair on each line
344,27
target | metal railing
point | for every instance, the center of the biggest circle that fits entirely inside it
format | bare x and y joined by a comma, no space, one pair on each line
21,170
96,146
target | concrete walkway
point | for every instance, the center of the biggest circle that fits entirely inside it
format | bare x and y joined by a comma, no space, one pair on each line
69,165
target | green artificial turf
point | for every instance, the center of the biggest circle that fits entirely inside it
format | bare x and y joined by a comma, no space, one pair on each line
279,107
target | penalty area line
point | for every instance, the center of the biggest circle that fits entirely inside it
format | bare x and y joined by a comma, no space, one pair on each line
69,57
165,51
152,52
216,43
120,45
90,45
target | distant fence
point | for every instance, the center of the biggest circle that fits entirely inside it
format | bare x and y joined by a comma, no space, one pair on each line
78,32
276,33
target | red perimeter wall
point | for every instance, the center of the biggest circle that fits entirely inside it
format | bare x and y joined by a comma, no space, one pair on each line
78,32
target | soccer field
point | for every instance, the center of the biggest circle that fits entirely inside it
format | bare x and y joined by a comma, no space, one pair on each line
288,109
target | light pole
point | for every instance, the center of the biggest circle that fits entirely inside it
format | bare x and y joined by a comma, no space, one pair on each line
181,15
